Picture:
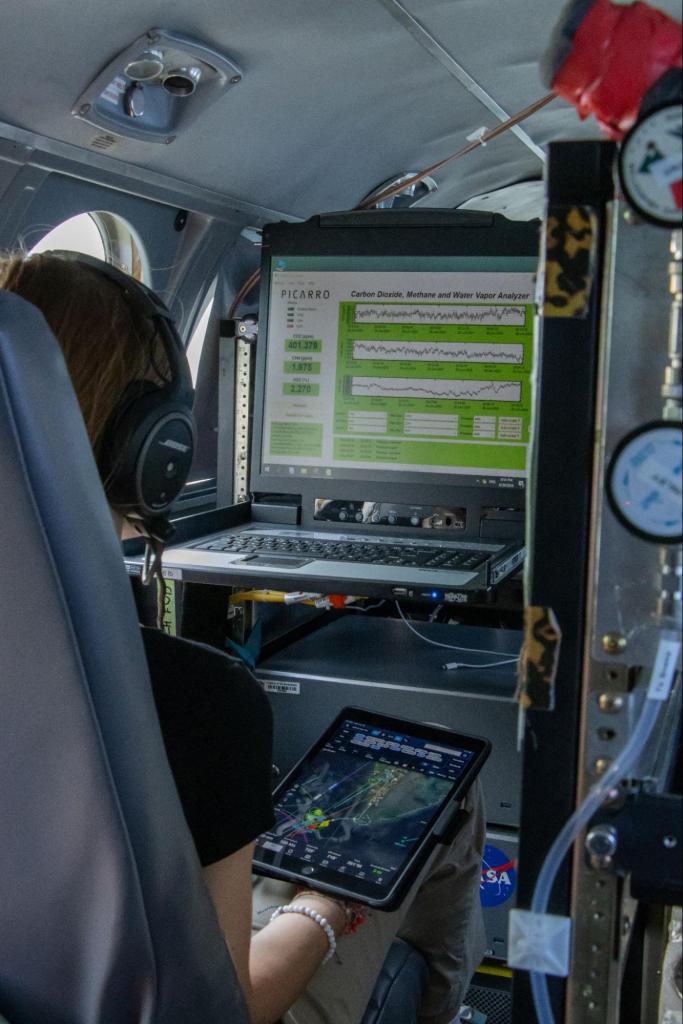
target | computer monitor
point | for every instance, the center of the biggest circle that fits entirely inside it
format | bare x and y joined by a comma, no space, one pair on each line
396,354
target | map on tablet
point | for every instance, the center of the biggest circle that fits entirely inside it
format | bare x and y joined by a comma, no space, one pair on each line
363,808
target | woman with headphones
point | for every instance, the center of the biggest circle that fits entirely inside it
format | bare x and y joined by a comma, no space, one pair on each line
130,375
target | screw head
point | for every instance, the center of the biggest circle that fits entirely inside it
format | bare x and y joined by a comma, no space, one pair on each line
235,79
600,862
670,842
601,764
615,797
169,139
613,643
610,703
84,109
602,840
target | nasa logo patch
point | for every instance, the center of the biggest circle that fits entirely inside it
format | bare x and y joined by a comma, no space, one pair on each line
498,877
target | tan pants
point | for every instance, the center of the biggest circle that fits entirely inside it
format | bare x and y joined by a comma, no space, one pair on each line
441,916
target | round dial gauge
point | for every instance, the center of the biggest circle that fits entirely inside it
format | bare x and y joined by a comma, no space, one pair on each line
650,166
644,482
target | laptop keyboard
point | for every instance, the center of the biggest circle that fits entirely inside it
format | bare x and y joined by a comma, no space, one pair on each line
347,551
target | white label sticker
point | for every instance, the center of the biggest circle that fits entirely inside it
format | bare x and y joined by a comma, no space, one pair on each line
112,92
664,671
292,688
172,574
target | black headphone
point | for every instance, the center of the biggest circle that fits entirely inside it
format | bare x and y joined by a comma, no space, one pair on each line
149,439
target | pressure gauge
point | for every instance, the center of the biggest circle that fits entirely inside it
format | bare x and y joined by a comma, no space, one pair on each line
644,482
650,166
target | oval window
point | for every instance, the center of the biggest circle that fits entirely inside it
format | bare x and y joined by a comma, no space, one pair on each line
100,234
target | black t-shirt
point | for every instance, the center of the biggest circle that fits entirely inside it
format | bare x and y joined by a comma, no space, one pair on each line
218,731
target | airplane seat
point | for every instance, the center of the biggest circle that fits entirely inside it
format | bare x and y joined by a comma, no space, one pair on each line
103,911
399,988
104,916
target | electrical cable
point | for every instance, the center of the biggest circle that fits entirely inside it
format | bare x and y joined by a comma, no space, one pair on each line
389,193
367,608
244,290
454,647
487,664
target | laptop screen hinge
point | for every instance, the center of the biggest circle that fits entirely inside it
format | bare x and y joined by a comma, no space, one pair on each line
285,513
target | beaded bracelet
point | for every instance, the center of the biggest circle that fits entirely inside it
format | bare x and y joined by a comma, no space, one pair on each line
296,908
355,913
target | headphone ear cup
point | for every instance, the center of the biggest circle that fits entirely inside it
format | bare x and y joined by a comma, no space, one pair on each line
147,450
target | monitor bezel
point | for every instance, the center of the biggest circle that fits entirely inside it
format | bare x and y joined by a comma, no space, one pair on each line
380,233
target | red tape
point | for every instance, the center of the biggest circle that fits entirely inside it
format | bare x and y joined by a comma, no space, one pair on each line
618,55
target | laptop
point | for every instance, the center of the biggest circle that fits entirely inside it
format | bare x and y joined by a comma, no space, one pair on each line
392,408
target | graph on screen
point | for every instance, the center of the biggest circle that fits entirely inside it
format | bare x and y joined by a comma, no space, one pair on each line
413,371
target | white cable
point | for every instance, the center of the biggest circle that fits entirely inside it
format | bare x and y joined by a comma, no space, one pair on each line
368,608
454,647
489,664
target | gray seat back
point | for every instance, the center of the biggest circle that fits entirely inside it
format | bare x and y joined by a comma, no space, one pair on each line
104,918
399,989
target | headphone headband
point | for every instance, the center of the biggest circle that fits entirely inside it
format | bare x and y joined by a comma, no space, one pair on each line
148,304
149,440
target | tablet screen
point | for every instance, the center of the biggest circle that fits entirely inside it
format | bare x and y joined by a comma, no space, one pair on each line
360,806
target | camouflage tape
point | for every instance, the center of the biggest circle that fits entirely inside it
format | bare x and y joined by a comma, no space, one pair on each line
570,259
538,659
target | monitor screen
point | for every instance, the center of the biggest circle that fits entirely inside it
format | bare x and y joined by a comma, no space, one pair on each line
398,367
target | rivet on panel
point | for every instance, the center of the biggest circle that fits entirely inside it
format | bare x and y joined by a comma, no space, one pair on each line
610,703
613,643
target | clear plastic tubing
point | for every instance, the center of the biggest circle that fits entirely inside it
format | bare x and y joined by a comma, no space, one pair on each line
619,770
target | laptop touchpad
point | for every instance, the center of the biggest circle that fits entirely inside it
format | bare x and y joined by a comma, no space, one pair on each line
286,561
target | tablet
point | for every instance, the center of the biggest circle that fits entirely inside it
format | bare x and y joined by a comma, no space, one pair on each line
361,811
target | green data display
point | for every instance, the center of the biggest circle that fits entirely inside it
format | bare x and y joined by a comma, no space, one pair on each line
304,438
303,345
456,375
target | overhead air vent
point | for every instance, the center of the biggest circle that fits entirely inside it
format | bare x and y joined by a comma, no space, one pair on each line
156,88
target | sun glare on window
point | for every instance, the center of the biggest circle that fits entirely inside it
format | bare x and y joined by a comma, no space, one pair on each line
78,234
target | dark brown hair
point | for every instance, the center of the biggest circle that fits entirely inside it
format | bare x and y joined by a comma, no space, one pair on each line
105,344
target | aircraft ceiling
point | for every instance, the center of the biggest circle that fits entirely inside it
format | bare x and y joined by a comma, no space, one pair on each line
336,97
